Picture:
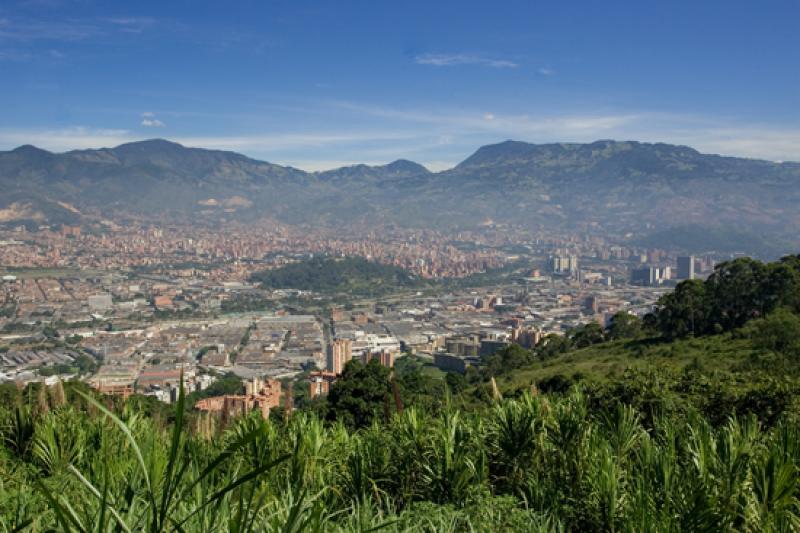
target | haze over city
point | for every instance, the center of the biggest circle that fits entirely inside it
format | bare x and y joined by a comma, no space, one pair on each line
405,266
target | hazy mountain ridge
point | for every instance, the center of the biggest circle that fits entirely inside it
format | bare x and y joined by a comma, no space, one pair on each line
400,169
618,185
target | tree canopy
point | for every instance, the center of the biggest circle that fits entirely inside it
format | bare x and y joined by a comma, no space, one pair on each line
359,396
736,292
326,274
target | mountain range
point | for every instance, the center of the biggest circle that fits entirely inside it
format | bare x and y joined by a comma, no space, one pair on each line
623,187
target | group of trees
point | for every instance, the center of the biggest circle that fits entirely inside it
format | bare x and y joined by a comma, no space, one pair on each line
326,274
369,393
778,332
735,293
81,364
623,325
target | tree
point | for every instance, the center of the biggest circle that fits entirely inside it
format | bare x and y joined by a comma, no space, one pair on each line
416,386
736,292
230,383
624,325
509,358
358,397
782,284
553,345
587,335
456,382
777,332
684,311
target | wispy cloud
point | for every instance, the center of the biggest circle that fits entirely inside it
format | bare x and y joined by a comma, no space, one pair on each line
465,130
13,54
132,24
292,141
754,141
451,60
441,138
451,121
17,54
545,71
149,120
26,30
62,139
29,29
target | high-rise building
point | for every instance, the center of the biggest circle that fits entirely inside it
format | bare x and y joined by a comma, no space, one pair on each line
527,337
564,264
384,357
686,267
339,353
645,276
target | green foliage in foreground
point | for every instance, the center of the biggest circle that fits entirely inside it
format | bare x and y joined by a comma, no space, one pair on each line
534,463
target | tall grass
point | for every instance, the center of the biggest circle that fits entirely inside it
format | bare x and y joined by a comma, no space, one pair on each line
527,464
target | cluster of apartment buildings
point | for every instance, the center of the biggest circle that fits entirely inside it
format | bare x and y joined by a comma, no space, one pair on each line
688,267
259,395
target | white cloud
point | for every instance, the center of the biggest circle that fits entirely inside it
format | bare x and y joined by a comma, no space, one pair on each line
545,71
450,60
756,142
149,120
505,125
291,141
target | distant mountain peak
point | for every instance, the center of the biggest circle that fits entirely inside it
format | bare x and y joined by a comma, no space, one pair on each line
151,144
406,166
515,152
401,168
29,149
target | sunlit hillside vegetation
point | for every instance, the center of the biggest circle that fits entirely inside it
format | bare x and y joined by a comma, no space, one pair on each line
686,420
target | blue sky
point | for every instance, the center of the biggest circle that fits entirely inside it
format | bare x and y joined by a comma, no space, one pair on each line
323,84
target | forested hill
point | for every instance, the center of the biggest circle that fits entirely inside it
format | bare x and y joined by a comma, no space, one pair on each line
353,275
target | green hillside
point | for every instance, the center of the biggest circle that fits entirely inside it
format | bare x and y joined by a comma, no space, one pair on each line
352,275
609,361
